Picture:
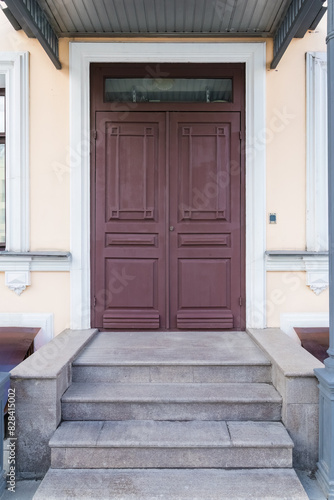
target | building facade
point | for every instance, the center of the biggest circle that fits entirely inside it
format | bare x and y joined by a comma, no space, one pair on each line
47,207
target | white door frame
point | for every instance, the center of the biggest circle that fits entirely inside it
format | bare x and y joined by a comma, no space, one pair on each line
254,57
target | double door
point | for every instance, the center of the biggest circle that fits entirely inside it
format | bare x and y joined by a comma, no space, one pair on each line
167,218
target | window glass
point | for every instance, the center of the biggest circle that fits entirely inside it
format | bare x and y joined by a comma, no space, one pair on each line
2,196
2,114
168,90
2,169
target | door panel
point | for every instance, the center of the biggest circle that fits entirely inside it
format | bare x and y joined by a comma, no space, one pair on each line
167,212
130,256
205,261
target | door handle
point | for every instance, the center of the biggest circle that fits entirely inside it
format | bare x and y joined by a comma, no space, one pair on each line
171,228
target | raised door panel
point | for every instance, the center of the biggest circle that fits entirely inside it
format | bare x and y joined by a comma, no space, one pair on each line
130,221
204,151
205,243
131,175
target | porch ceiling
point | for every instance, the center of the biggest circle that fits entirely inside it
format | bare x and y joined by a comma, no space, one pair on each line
160,17
49,19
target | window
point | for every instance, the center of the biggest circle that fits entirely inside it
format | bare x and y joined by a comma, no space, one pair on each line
2,170
168,89
14,143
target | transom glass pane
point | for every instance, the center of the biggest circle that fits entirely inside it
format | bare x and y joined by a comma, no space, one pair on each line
2,195
168,89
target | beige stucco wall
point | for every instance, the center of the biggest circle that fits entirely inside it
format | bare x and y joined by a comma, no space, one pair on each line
286,148
49,140
49,293
49,178
287,293
286,177
49,174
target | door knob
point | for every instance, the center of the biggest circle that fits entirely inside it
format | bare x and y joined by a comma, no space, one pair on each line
171,228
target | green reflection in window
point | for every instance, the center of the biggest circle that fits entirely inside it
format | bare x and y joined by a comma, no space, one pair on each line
168,90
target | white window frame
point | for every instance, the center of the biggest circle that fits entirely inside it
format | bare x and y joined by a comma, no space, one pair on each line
82,54
316,155
15,67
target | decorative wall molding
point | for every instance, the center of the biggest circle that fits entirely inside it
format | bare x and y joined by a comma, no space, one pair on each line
17,281
314,263
15,67
317,283
290,320
254,57
316,153
317,274
17,266
35,261
284,262
295,260
31,320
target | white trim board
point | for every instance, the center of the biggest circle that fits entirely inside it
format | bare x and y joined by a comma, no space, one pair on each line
296,262
17,267
290,320
31,320
316,267
254,57
316,152
34,263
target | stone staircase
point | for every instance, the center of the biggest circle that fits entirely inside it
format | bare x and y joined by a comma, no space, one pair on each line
171,416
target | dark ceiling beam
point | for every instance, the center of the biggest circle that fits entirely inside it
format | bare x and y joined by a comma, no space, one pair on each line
33,20
301,16
11,18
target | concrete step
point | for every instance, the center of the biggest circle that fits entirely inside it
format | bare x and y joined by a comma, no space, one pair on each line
171,373
171,484
100,401
180,357
151,444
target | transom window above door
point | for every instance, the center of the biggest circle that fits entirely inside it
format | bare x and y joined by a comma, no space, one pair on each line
168,90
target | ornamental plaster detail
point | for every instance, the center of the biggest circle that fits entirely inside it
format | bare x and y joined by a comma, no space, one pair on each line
316,274
17,281
318,287
315,265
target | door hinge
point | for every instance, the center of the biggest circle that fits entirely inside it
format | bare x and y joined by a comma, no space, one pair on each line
240,301
94,301
240,135
94,135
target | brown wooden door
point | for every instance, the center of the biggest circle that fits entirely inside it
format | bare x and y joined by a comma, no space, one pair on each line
166,221
129,258
205,217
